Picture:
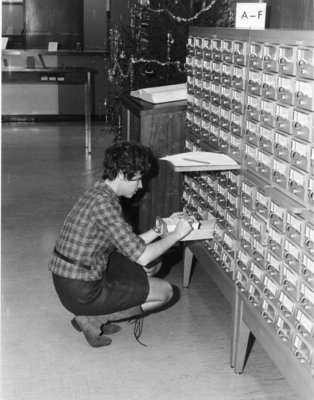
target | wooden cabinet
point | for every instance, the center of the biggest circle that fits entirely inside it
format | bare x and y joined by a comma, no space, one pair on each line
250,94
162,128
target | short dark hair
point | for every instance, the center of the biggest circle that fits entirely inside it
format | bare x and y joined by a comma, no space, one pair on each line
129,158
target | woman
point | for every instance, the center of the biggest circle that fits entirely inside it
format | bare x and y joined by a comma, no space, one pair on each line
100,267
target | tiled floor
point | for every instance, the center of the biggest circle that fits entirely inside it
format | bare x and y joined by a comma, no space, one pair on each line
44,169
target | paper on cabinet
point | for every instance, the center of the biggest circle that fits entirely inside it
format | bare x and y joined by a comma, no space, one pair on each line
201,161
162,94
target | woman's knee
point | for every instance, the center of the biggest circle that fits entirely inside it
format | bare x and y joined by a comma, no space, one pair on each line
160,290
168,291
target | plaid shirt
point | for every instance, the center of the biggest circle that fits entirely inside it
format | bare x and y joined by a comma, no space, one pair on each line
92,230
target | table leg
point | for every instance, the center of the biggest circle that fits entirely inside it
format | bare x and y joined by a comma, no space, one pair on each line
88,96
128,124
240,337
187,266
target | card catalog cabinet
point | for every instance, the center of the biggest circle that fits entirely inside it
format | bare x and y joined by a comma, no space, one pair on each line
250,94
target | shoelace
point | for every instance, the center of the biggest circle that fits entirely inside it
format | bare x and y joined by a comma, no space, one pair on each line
138,328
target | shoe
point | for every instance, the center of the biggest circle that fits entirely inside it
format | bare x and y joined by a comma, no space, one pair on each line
106,329
109,328
124,315
94,337
76,325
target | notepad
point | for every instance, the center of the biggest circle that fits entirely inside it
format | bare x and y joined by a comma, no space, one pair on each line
201,161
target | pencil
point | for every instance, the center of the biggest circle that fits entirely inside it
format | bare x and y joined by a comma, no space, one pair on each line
196,161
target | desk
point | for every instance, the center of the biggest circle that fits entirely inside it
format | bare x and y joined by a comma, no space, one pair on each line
66,53
59,76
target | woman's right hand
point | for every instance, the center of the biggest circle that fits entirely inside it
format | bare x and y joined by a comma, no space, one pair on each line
183,228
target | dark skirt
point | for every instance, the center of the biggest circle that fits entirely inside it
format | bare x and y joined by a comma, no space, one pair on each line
124,285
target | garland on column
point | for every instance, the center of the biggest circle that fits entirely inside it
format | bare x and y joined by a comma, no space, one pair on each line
150,50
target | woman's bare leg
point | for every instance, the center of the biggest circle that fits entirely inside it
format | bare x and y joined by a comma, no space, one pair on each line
160,293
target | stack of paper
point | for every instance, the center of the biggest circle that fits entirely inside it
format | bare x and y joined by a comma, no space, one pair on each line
162,94
172,222
201,161
201,229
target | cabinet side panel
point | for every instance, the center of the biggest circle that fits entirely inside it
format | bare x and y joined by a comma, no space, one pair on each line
163,133
292,14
